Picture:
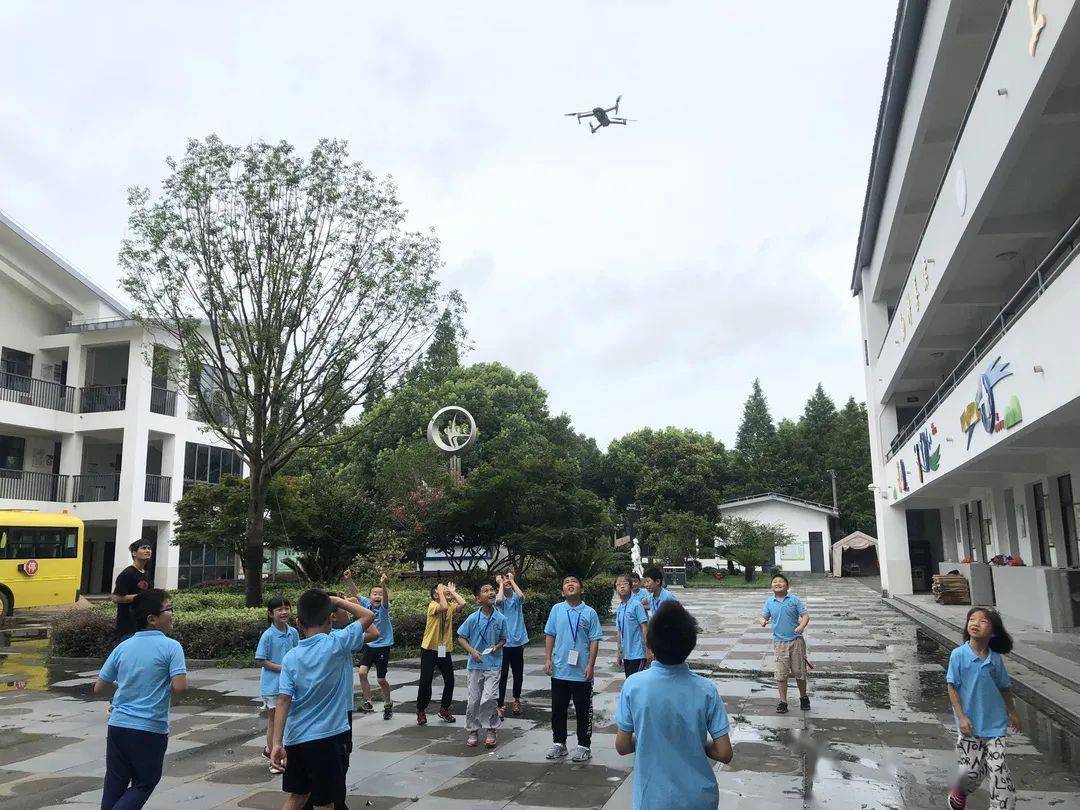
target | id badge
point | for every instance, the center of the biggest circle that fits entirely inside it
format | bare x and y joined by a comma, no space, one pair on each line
441,653
571,658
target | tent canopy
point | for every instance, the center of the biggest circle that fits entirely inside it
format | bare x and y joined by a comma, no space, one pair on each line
855,540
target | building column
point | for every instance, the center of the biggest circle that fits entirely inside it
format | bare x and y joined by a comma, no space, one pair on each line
1028,531
71,458
894,555
1053,521
1005,522
949,542
166,557
131,506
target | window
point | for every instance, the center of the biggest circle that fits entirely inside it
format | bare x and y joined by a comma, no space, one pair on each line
200,564
204,464
12,452
22,543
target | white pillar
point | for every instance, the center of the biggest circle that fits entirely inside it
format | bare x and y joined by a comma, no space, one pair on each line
131,506
894,556
948,533
1009,528
166,558
1053,521
1028,531
71,453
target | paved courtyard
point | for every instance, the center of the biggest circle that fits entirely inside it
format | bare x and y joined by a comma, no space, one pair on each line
879,734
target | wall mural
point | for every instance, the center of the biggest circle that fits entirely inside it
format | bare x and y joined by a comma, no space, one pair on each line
901,477
927,456
983,411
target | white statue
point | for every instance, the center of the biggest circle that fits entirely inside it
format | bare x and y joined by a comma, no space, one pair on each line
635,558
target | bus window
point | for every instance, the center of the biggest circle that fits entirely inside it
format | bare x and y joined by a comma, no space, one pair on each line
3,542
71,544
23,546
49,544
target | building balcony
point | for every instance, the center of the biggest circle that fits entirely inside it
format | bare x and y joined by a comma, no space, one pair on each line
23,485
102,398
158,489
163,401
39,393
96,488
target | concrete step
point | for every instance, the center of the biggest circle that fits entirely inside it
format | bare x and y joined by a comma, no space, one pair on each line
1058,698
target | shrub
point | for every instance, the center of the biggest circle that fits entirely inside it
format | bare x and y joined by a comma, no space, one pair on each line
83,633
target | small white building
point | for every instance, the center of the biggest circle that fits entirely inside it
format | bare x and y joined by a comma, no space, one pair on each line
806,520
89,424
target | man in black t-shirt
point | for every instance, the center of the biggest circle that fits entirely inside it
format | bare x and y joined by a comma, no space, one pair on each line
131,581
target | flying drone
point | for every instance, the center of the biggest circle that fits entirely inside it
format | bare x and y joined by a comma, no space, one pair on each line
601,116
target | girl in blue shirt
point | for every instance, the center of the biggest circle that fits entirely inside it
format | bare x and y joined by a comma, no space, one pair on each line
276,640
511,605
631,622
982,703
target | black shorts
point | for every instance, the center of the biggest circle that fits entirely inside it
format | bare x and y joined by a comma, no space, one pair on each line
315,768
379,657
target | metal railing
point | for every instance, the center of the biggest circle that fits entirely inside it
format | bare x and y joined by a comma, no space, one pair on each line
1030,291
40,393
949,162
163,401
24,485
101,398
96,487
158,489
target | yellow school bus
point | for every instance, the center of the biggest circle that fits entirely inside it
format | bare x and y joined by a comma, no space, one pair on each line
40,559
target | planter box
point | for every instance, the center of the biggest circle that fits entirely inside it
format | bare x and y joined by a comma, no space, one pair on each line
979,577
1036,594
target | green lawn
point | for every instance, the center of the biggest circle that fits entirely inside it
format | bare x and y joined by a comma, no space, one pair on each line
730,581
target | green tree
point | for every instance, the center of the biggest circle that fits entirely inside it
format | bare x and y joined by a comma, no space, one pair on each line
850,457
752,543
291,290
678,536
755,445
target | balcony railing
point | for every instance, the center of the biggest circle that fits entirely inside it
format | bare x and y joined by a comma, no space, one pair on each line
97,487
40,393
102,398
158,489
163,401
1030,291
23,485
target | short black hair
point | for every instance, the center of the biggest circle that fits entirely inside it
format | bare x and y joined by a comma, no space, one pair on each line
634,577
146,604
135,544
672,633
654,573
281,600
580,581
313,608
622,576
479,586
778,575
434,588
1000,640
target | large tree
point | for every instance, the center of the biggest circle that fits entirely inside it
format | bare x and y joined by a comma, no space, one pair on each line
755,454
291,290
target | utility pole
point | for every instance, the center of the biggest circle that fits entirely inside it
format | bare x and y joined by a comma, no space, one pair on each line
835,499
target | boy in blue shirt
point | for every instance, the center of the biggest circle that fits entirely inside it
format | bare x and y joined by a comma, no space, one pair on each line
630,625
789,619
572,640
147,668
377,652
511,606
313,701
276,640
653,581
482,636
673,719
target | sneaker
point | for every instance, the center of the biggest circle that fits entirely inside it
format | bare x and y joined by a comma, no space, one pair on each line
274,769
266,752
490,741
804,702
502,712
474,739
557,751
387,711
446,717
517,707
957,800
366,707
421,719
781,708
581,754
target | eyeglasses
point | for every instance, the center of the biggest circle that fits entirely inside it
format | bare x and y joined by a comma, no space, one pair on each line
168,609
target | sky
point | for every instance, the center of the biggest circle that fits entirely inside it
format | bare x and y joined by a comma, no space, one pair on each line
645,274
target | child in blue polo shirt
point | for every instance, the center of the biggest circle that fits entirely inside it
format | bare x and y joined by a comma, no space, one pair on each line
572,640
789,618
653,581
982,703
314,697
673,719
630,625
482,635
377,652
147,668
511,605
276,640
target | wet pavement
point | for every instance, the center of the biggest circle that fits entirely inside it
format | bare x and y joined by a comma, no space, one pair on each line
879,734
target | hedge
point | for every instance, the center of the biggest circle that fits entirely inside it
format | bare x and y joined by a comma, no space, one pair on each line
215,625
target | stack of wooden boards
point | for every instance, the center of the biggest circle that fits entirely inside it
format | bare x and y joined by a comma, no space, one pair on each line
951,589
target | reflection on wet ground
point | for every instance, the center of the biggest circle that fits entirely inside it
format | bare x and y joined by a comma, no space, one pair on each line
879,733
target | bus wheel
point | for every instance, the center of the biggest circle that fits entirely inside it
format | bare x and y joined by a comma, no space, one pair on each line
5,603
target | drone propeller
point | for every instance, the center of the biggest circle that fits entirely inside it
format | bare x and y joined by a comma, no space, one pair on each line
617,100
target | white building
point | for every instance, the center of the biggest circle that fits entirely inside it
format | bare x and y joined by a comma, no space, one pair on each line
806,520
968,289
87,426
